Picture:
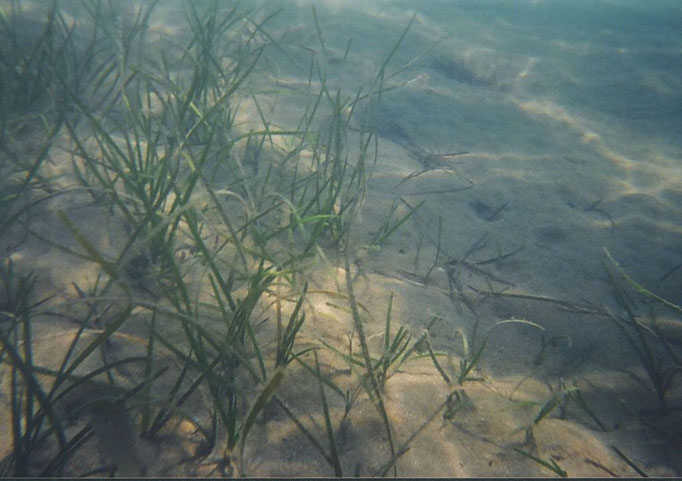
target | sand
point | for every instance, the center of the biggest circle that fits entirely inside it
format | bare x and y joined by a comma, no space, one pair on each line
565,120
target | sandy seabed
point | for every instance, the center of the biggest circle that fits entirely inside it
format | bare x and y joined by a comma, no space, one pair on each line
564,121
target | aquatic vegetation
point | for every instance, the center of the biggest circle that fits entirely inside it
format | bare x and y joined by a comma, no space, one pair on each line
629,462
559,399
152,164
467,364
661,363
457,401
155,145
551,464
387,228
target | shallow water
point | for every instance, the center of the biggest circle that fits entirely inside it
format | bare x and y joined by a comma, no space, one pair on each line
519,145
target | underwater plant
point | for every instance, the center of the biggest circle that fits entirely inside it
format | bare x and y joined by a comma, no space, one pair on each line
661,363
216,221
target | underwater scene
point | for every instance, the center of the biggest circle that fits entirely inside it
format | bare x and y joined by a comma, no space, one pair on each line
340,238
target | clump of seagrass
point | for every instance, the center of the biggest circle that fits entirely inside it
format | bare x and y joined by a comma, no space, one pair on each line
659,359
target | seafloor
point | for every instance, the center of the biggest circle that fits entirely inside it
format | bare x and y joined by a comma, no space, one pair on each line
519,222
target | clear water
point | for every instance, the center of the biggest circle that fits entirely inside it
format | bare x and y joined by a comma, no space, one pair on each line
541,142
